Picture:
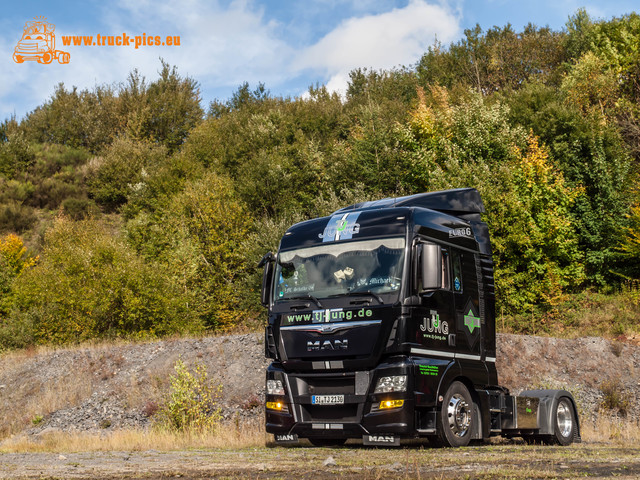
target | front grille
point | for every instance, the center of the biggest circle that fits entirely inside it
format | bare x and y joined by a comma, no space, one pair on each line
343,413
330,386
28,48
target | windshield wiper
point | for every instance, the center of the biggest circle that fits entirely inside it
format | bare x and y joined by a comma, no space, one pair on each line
355,293
308,296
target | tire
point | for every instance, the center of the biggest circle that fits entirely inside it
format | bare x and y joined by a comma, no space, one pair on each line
327,442
46,58
18,58
456,420
564,422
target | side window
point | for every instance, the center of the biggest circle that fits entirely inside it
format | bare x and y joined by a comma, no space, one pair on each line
457,271
446,277
444,271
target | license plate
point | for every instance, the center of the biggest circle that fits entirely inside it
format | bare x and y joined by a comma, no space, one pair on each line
327,399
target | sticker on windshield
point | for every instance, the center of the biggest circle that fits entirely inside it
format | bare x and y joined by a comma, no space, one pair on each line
341,227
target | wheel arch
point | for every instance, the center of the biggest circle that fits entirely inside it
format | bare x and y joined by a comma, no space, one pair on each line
548,403
444,385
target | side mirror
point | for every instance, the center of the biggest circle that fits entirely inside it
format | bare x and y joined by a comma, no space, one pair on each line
267,277
431,266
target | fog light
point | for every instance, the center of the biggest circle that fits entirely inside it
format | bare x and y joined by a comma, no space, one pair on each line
278,406
391,404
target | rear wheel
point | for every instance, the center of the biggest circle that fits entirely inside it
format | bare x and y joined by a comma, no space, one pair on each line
327,442
456,420
564,422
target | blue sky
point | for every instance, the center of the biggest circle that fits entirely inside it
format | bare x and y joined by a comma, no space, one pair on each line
288,45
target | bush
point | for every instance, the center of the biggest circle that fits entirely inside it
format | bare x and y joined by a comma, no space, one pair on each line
123,167
16,217
14,260
90,284
79,208
615,398
192,402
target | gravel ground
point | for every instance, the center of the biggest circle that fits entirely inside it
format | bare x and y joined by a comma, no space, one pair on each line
351,462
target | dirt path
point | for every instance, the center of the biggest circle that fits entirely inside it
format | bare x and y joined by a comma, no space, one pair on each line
487,461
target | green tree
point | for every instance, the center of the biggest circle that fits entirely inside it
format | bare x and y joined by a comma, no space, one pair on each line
75,118
200,237
173,108
494,60
591,155
535,244
16,155
630,244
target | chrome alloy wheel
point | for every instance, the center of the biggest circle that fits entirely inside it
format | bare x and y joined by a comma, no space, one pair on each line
564,419
459,415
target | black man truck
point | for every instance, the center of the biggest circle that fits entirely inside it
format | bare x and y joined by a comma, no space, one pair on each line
382,328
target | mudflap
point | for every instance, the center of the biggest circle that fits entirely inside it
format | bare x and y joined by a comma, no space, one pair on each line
286,438
381,440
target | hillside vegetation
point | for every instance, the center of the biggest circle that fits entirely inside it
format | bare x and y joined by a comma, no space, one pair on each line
130,211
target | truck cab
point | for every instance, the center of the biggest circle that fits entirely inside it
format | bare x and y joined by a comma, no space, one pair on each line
381,327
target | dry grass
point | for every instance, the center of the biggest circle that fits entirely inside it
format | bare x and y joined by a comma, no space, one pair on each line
611,429
245,434
49,397
58,394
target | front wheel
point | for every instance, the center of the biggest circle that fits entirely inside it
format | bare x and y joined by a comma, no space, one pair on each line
564,422
455,419
46,58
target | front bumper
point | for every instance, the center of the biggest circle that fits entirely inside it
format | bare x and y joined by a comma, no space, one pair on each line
355,418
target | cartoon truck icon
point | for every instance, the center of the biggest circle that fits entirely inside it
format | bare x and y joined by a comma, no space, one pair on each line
38,43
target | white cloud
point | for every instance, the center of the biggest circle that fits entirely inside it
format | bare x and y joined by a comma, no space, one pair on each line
382,41
221,47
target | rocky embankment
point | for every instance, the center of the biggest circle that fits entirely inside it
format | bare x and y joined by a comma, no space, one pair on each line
121,386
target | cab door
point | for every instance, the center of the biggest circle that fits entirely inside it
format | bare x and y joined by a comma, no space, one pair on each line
434,325
468,324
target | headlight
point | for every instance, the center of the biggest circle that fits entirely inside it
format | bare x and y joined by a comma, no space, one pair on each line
397,383
274,387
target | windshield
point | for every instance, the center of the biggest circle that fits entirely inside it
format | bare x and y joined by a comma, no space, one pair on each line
373,266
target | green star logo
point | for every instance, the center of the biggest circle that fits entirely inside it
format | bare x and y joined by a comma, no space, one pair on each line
471,322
